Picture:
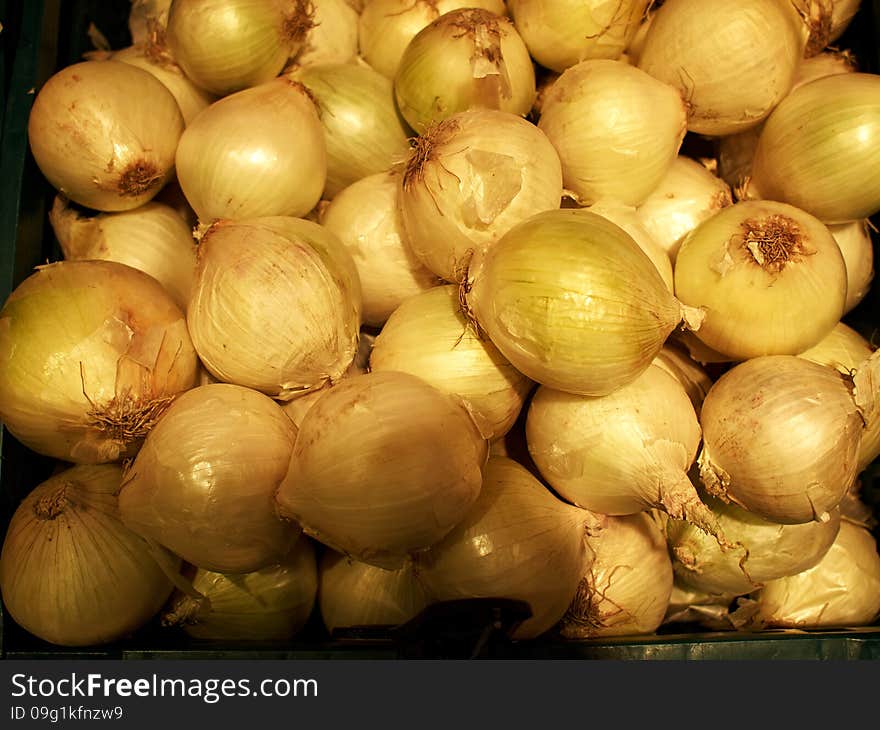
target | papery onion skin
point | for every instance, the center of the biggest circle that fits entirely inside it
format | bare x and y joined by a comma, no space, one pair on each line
91,353
385,465
145,16
627,586
857,248
733,62
352,593
70,572
616,129
484,62
252,275
771,278
104,134
521,293
202,485
518,541
428,336
333,36
468,180
270,604
238,159
819,149
781,438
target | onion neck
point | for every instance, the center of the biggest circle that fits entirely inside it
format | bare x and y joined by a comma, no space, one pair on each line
52,505
679,499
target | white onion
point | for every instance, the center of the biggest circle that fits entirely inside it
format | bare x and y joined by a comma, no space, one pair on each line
333,35
674,359
146,17
857,248
687,605
616,129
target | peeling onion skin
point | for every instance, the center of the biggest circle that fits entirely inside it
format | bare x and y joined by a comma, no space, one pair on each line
104,133
203,484
70,572
781,438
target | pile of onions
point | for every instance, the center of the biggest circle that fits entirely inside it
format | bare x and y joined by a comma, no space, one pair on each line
572,302
91,354
466,59
273,603
70,572
518,541
104,134
603,115
202,485
253,274
384,465
468,180
627,585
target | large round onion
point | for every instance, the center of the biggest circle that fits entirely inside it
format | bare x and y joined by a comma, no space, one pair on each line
91,353
104,133
70,572
854,240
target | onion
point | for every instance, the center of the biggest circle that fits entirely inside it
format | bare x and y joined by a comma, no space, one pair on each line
253,274
854,240
333,35
781,437
826,20
238,159
621,453
688,195
765,550
572,302
626,588
270,604
146,17
770,276
616,129
518,541
466,59
367,221
428,336
225,46
560,34
362,130
819,151
829,63
674,359
91,353
385,27
384,465
687,605
842,13
202,483
732,62
71,573
843,590
152,238
104,134
633,51
352,593
469,180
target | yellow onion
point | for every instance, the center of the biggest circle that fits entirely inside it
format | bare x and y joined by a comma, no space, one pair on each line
518,541
275,305
698,350
770,276
70,572
572,302
333,35
688,195
466,59
732,62
826,20
270,604
202,483
239,159
561,34
352,593
781,437
91,353
842,13
384,465
675,360
764,550
104,134
385,27
362,130
366,219
626,588
818,149
854,239
428,336
225,46
468,180
616,129
151,237
843,590
147,17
